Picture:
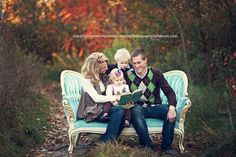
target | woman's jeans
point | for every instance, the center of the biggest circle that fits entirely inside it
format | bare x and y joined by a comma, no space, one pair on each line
139,114
115,124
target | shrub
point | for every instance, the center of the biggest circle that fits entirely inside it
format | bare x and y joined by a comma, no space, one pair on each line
22,107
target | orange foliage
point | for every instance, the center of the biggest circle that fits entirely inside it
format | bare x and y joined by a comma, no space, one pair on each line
11,8
8,7
88,16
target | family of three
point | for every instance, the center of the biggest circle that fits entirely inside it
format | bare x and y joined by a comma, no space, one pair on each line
100,96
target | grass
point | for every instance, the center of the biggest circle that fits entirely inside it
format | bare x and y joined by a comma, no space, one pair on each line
209,117
207,111
120,150
16,140
224,148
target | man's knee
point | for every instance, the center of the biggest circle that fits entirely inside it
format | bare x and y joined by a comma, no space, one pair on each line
164,108
164,111
136,114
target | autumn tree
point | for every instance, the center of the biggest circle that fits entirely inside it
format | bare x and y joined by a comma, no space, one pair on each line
84,19
34,26
203,27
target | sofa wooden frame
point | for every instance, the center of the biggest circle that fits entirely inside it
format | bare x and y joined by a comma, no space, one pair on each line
71,92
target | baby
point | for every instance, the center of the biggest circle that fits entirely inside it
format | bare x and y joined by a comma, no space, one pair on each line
116,87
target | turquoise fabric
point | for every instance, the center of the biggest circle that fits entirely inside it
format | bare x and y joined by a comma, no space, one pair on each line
177,84
72,94
150,122
72,89
82,123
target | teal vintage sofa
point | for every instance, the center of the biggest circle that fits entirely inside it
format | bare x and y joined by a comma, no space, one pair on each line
71,92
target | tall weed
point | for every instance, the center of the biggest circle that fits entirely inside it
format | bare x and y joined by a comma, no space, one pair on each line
208,110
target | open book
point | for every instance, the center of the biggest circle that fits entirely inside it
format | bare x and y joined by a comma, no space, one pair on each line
127,99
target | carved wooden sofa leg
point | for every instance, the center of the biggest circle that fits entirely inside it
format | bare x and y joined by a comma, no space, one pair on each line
76,137
71,147
181,139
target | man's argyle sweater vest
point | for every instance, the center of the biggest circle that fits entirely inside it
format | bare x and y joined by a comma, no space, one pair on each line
151,84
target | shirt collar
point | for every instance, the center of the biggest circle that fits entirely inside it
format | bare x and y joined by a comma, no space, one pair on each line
143,75
128,67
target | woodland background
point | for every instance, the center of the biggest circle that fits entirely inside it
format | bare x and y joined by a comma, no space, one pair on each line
40,38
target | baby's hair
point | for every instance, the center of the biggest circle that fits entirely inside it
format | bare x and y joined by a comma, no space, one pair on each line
116,73
120,53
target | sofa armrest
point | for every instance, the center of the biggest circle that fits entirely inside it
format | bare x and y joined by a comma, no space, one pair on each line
182,107
70,105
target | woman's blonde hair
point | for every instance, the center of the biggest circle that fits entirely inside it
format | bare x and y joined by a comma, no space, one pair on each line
116,73
90,68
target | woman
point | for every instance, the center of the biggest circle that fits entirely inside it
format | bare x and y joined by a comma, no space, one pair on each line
93,96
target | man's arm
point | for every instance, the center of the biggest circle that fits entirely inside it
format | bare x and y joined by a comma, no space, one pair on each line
170,94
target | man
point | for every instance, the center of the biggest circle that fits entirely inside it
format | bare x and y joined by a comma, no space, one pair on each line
151,81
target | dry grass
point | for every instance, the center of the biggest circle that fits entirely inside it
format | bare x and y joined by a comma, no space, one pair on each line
119,150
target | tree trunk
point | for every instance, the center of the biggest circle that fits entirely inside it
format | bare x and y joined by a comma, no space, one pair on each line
233,27
184,47
2,15
207,56
203,44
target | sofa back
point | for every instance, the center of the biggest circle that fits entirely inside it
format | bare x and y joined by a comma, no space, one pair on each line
179,83
71,87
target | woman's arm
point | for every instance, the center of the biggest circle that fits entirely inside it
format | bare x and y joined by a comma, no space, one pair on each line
89,88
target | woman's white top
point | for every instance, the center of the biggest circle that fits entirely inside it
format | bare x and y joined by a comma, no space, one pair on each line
98,98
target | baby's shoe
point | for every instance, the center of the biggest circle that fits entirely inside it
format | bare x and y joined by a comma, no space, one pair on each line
105,117
126,123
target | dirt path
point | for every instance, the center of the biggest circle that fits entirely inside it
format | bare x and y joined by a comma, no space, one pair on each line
56,134
56,141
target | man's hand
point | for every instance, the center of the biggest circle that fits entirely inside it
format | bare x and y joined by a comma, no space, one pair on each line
171,115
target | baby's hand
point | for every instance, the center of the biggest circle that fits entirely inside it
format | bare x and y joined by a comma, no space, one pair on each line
117,97
115,103
128,73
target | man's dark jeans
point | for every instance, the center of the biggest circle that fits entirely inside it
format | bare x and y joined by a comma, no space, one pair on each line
139,114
